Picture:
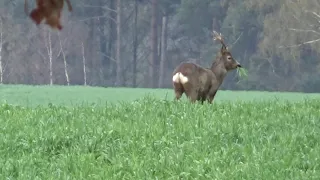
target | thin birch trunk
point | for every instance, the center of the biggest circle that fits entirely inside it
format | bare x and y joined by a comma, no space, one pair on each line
119,79
84,64
1,43
163,50
154,44
49,51
64,61
135,44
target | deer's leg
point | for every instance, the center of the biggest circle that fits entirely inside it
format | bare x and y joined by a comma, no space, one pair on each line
211,96
178,94
193,95
202,98
191,92
178,90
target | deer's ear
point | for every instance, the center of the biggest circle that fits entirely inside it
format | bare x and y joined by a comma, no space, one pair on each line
224,49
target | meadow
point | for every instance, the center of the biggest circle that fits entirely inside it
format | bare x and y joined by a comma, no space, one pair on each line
121,133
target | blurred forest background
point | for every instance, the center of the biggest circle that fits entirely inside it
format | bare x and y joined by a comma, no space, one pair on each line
138,43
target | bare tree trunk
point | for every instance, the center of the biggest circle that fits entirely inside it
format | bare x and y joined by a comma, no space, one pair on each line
64,61
163,50
103,40
111,40
84,65
48,44
50,58
102,35
1,43
135,44
154,45
119,79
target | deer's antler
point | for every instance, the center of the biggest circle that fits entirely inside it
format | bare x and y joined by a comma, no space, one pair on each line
218,36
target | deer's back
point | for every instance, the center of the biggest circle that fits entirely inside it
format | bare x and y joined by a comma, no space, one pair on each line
199,76
186,69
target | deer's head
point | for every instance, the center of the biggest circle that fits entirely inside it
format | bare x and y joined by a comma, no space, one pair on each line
225,55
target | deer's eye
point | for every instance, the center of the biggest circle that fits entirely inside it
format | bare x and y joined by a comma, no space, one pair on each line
229,57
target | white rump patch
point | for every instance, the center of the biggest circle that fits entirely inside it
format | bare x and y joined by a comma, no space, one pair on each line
183,79
180,78
175,78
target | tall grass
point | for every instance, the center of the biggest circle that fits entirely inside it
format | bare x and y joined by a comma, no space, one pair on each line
160,139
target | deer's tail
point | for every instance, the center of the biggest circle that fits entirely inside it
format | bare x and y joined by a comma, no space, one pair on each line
180,78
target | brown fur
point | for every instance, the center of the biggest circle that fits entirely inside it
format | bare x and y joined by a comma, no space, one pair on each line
203,83
50,10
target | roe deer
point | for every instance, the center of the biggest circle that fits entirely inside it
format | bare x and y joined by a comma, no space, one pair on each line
199,83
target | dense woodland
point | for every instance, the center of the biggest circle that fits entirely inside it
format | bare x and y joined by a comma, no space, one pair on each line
138,43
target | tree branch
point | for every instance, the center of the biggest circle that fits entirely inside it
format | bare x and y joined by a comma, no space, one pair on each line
236,40
85,19
314,13
304,43
304,30
103,7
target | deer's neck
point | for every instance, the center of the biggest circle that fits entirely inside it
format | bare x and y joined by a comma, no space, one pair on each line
219,70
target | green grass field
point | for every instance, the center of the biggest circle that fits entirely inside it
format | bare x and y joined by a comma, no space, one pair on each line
32,96
108,133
